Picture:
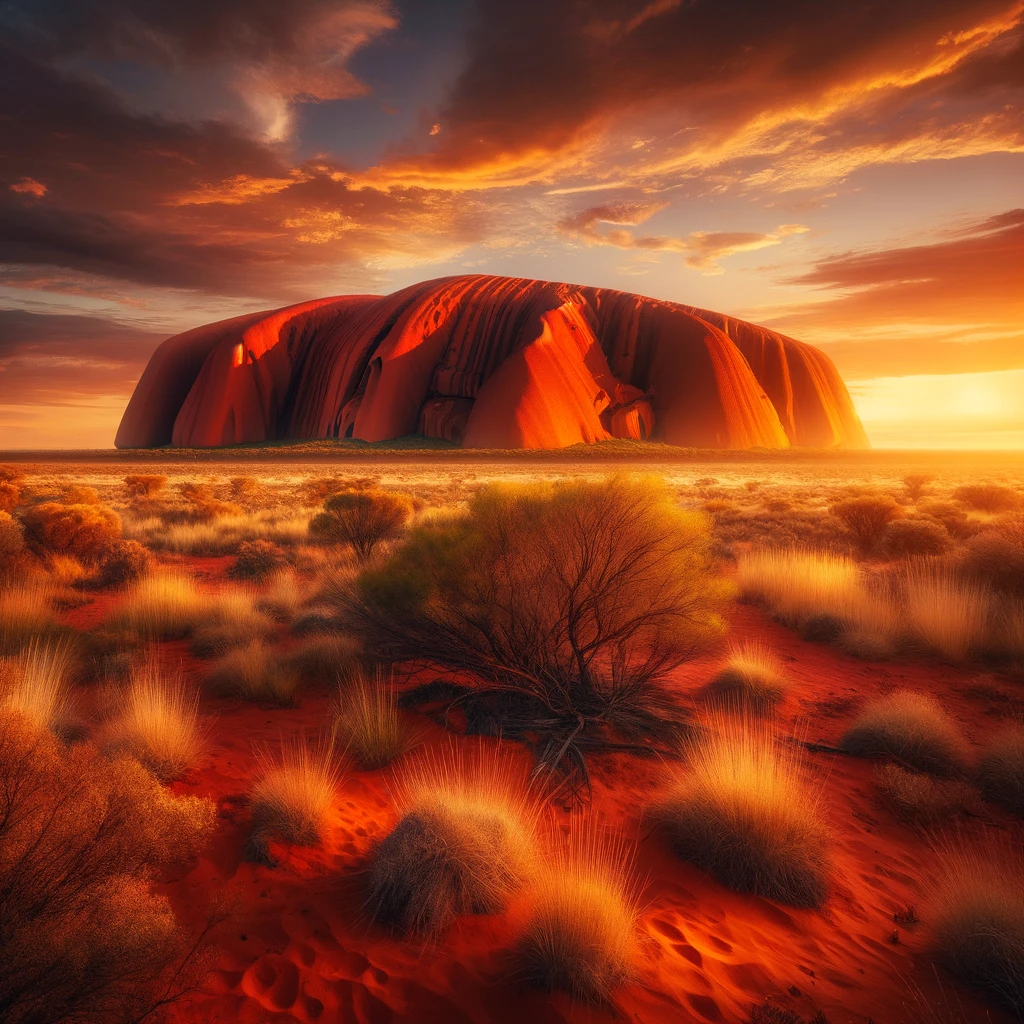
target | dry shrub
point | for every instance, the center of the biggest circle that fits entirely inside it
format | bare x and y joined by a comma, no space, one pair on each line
919,799
247,491
752,677
144,485
866,517
568,603
915,484
202,505
324,657
158,723
85,532
26,613
12,542
362,519
10,496
953,517
1001,769
911,729
905,538
948,614
464,844
989,497
78,494
368,723
581,933
995,558
11,474
84,936
283,596
743,811
125,562
232,620
220,536
255,673
975,909
293,795
36,687
257,559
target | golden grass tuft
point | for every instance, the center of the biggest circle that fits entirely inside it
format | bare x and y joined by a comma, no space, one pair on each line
910,728
254,672
752,677
26,613
581,932
293,795
233,620
946,613
743,811
158,723
165,605
975,907
919,799
1001,769
368,722
465,843
36,687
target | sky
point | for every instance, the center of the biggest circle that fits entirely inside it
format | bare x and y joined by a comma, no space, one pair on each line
849,173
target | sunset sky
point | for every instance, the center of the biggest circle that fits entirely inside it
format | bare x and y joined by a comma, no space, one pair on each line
848,173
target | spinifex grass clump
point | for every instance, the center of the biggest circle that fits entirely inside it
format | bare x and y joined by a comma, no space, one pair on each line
580,934
743,810
945,612
163,605
911,729
36,686
293,795
159,722
752,677
255,672
1001,769
26,613
569,603
465,843
368,723
975,908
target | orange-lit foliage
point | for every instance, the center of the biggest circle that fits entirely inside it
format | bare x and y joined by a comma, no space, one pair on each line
866,518
84,936
10,495
989,497
142,485
85,532
125,562
12,544
362,518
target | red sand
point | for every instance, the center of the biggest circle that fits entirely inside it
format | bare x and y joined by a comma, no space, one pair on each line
297,946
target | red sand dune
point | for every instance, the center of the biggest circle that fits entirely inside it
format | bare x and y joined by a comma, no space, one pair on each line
493,362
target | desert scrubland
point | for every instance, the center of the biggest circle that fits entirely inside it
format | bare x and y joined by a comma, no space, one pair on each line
454,739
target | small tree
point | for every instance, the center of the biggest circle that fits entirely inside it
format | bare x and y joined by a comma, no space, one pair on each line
362,518
566,605
85,532
139,485
866,517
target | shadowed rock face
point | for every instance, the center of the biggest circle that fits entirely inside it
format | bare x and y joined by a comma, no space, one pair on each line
490,362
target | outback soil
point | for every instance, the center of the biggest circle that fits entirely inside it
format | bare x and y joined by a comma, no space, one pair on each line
297,945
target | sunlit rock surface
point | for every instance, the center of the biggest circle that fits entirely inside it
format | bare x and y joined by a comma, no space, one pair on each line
490,362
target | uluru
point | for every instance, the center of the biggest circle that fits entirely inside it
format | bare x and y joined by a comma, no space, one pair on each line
490,362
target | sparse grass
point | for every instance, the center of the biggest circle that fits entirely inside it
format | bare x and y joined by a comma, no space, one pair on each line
232,621
36,687
293,795
368,723
465,842
218,536
743,811
581,932
255,673
752,677
26,613
919,799
911,729
1001,769
164,605
948,614
324,657
976,912
159,723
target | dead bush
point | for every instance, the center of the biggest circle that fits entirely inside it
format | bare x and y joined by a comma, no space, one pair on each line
257,559
83,934
568,604
361,518
905,538
989,497
85,532
866,517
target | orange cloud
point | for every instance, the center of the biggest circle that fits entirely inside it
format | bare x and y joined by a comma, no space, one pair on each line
29,187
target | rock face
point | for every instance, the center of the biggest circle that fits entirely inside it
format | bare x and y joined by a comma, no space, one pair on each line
490,362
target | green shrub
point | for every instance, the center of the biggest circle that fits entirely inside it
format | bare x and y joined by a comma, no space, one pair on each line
569,603
362,518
